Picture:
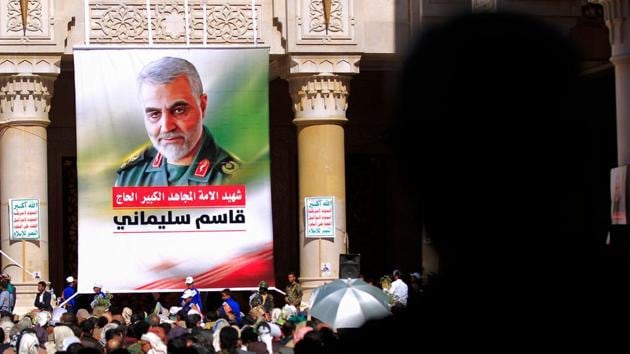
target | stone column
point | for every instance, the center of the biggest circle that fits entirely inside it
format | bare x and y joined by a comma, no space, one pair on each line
320,101
616,16
24,106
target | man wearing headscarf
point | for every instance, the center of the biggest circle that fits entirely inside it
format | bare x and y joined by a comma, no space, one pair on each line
41,326
60,333
28,343
126,314
152,344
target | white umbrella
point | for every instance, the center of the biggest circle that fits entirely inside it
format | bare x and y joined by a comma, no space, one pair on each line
348,303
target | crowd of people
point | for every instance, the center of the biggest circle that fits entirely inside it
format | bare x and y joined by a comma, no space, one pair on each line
59,325
513,234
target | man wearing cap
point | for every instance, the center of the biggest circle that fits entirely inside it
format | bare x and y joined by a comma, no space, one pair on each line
194,294
186,301
98,293
68,291
262,298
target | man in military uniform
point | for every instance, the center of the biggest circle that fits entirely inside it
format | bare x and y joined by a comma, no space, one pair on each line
182,150
294,291
262,298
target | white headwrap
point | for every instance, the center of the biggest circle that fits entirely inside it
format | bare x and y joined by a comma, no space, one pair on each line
264,335
60,333
126,314
28,343
216,340
157,346
6,326
106,328
69,341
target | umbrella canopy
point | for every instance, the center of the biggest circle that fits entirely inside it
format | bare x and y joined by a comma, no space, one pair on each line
348,303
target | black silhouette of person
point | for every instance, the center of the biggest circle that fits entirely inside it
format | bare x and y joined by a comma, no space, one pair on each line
489,117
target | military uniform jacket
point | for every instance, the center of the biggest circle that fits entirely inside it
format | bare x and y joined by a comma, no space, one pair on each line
211,165
294,294
257,300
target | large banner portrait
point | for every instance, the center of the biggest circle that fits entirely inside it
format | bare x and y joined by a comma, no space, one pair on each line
173,168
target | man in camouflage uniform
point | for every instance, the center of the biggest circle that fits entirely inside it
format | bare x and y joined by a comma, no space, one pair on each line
182,151
262,298
294,291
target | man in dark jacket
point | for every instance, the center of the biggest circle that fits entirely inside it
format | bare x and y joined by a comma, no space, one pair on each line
42,299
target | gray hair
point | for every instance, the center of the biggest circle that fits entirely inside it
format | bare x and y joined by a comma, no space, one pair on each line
167,69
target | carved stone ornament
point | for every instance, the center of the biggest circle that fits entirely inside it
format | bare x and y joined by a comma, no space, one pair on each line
325,22
38,16
225,22
171,22
118,23
231,23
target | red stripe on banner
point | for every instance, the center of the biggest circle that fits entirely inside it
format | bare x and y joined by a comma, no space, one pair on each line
178,197
174,232
246,270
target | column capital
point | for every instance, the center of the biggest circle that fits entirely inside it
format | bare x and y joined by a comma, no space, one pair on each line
616,12
25,99
322,63
26,87
319,98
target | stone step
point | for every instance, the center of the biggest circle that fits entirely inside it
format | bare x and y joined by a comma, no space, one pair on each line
25,298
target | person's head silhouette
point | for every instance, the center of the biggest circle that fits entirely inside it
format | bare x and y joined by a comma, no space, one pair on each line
499,153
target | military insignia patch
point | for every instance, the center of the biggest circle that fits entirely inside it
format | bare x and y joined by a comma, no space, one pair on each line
229,168
157,161
202,168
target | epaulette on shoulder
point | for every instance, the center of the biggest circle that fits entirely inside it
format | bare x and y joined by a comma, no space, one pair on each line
230,165
133,160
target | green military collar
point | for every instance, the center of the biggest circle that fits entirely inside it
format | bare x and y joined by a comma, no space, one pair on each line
211,165
207,154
